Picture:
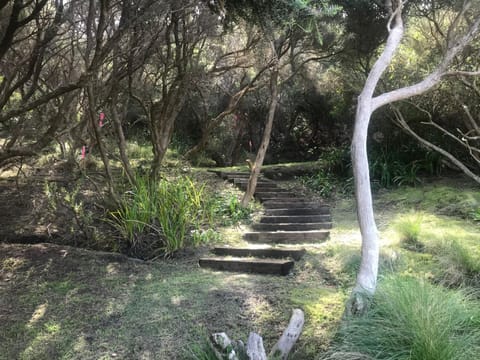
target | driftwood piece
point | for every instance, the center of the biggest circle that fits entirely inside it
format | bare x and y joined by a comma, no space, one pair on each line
223,341
255,349
235,350
290,336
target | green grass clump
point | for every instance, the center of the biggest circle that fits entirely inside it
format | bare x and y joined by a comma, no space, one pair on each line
460,262
409,227
157,217
412,319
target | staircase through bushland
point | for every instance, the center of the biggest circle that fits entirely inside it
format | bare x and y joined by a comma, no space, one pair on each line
288,220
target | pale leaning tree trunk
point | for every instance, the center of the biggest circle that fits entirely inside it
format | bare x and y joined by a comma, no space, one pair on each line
367,277
257,165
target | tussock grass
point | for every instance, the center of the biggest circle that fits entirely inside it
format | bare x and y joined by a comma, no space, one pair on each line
409,227
412,319
157,218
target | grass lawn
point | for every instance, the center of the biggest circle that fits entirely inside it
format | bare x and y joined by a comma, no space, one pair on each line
59,302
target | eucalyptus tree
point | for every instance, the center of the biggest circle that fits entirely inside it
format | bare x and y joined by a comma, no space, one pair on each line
463,29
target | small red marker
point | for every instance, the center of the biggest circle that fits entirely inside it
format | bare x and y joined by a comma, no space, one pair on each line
84,151
101,118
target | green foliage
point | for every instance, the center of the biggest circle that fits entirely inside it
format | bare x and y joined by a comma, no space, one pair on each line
390,168
409,227
322,183
202,236
412,319
475,214
229,211
160,218
460,263
201,351
68,208
441,199
334,174
139,151
156,218
401,165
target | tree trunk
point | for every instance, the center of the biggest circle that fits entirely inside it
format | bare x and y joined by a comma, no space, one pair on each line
255,170
122,144
367,276
99,140
162,122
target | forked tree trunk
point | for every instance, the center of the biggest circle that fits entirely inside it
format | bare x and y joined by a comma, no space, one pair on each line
367,277
162,122
255,170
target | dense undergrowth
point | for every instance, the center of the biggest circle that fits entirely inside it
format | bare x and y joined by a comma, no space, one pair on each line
160,218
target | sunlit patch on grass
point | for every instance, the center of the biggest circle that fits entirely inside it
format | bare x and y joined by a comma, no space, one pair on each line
52,327
38,314
323,309
11,263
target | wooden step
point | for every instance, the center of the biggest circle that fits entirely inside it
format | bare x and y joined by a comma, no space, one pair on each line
279,197
274,194
287,237
319,210
295,219
264,187
287,200
229,174
245,181
292,227
259,266
295,203
268,252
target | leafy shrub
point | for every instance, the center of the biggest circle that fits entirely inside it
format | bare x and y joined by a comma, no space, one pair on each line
67,208
229,211
412,319
475,214
409,227
157,218
201,236
201,351
322,183
395,167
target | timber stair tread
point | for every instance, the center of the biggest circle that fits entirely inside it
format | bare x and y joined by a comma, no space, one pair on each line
287,237
255,265
289,220
262,252
291,226
295,219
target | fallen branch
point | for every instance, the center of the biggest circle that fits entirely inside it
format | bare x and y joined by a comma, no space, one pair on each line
235,350
290,336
